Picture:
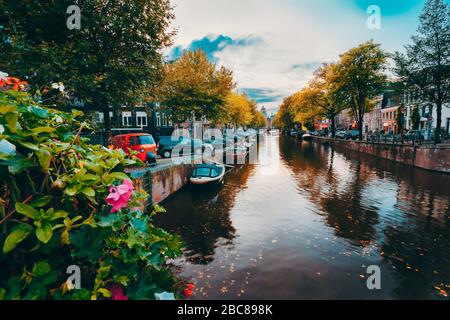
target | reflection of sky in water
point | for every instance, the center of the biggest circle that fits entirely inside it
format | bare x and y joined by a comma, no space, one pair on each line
315,224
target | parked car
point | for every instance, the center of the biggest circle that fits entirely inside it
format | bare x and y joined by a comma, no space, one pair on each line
142,143
195,146
352,134
341,134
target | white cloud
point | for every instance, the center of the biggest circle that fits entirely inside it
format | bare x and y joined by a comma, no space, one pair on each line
292,32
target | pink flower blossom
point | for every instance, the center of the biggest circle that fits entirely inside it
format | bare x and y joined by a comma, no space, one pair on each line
117,292
120,195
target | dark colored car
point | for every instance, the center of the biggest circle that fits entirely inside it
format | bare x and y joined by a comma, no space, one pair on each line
352,134
167,145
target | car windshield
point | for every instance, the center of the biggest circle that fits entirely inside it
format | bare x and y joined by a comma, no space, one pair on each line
142,140
169,140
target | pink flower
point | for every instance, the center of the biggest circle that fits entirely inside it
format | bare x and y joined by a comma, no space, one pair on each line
117,292
119,196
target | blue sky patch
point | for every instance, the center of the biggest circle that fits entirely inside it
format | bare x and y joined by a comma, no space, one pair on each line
212,44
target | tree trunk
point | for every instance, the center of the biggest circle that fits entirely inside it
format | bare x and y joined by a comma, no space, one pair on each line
437,135
333,127
107,125
360,128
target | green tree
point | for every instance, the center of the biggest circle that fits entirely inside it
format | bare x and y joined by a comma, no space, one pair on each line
284,118
239,110
415,118
425,68
113,59
194,85
360,77
324,96
259,120
400,118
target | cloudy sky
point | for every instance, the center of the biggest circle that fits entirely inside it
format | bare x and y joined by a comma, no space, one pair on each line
273,46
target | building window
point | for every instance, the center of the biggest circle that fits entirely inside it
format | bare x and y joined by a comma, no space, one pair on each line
141,119
126,119
164,120
158,119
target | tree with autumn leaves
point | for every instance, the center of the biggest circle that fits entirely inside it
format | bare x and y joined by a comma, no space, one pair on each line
352,82
195,86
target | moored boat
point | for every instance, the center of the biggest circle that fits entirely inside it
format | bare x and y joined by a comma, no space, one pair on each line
205,174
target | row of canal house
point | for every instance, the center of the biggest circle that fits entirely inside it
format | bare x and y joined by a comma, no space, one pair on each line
128,119
383,117
151,119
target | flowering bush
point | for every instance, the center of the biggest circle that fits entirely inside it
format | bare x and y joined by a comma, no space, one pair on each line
64,202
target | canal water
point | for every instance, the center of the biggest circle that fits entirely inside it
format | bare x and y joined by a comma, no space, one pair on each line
305,222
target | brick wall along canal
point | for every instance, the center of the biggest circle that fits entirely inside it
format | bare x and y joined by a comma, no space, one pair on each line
310,230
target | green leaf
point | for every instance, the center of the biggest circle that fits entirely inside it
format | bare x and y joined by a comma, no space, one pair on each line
89,177
18,164
118,176
139,225
105,292
88,192
11,119
41,268
108,220
45,232
41,202
7,109
44,158
43,129
59,214
2,294
70,191
17,235
29,145
26,210
38,111
65,238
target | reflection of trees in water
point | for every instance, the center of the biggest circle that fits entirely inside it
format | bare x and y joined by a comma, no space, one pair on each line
202,215
347,214
344,206
420,251
416,236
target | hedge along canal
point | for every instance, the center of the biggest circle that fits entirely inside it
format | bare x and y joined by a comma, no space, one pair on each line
311,228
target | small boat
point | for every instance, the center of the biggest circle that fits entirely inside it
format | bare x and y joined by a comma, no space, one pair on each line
205,174
307,137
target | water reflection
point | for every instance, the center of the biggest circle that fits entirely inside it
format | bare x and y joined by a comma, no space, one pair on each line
315,224
204,221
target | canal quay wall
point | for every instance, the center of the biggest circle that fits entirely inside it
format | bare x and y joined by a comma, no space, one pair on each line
162,181
435,158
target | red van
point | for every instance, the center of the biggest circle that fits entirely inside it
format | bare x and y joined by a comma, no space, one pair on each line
143,143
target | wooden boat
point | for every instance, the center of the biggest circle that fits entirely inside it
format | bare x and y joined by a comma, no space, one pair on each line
205,174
